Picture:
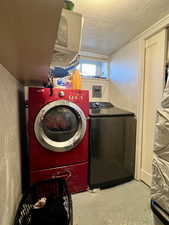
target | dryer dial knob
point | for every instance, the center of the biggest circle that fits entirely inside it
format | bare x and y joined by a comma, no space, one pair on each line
61,94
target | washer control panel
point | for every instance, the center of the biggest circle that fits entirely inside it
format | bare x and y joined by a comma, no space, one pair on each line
76,97
71,97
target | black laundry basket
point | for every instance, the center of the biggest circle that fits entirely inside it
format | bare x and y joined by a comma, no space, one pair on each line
49,188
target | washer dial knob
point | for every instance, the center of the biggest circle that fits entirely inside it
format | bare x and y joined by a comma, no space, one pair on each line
61,94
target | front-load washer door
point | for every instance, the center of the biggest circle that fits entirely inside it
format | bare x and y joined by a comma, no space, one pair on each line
60,126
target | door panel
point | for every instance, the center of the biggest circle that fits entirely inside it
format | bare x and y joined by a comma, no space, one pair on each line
155,54
60,126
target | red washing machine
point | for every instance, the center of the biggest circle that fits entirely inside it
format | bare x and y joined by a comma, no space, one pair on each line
58,136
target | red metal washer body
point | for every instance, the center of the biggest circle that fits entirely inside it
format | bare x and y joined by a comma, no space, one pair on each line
45,163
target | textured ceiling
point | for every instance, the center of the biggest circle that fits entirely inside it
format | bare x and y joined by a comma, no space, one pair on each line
109,24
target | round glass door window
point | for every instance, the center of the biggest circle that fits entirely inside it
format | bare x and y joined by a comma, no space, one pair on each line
60,126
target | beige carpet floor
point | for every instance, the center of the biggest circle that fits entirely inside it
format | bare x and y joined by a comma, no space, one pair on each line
127,204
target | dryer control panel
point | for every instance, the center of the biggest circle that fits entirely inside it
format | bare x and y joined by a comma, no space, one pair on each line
72,96
76,97
42,96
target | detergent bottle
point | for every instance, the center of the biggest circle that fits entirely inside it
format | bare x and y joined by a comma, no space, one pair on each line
76,80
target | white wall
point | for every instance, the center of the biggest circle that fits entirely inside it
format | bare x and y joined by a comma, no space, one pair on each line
10,169
124,70
88,83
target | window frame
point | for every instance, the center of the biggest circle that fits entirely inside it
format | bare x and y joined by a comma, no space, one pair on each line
98,64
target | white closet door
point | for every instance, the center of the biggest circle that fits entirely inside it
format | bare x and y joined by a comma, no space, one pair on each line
155,54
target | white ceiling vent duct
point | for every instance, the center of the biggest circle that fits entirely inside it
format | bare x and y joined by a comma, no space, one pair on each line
67,45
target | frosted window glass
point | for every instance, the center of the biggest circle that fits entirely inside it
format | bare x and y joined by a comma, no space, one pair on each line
88,70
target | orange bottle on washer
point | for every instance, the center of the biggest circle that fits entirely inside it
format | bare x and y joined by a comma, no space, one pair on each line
76,80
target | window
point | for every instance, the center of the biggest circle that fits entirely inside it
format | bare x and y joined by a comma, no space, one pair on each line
93,68
88,69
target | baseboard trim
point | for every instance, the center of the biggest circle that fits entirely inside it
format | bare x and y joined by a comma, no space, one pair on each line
146,177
